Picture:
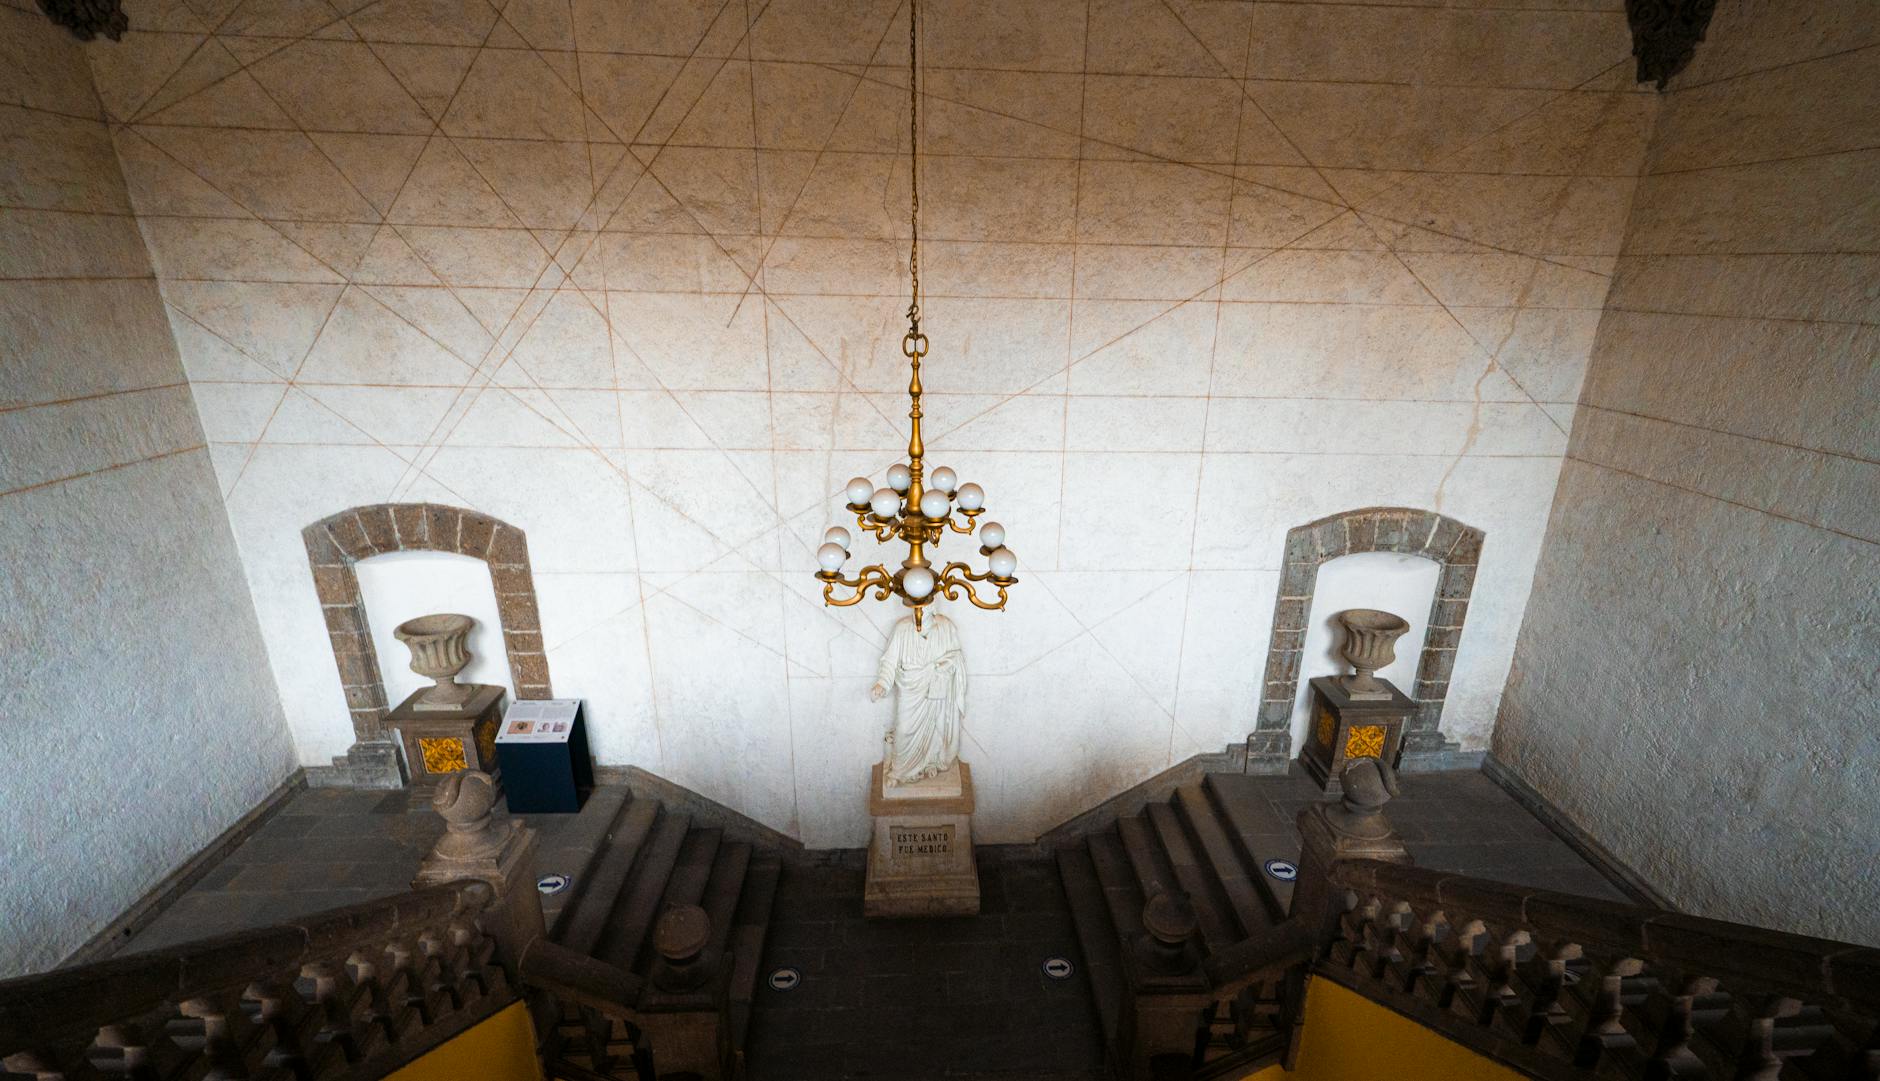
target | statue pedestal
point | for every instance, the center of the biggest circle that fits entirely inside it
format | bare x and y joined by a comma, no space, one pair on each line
921,860
440,742
1345,729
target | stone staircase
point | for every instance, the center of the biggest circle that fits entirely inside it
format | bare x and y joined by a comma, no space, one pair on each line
694,980
1154,895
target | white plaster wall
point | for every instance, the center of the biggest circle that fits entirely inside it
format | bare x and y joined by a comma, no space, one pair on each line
1697,683
1196,273
138,718
1400,584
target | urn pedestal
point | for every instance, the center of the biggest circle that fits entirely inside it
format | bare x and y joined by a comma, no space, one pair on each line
1344,728
920,862
440,742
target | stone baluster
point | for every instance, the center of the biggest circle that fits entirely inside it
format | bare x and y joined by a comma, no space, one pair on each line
138,1048
1605,1020
1423,963
1386,947
67,1061
1355,931
1546,1008
1460,960
1784,1028
342,1008
1674,1060
417,979
1501,994
278,1007
1759,1060
384,993
229,1040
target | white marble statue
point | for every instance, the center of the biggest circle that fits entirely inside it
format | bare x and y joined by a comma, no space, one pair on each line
925,667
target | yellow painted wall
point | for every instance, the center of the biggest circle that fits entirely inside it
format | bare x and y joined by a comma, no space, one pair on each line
1350,1038
499,1049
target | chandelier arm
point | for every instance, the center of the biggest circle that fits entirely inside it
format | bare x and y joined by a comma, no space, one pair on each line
970,523
884,531
874,577
958,577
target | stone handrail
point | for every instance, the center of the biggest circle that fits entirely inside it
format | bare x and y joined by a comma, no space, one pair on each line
351,992
1559,986
1259,958
575,977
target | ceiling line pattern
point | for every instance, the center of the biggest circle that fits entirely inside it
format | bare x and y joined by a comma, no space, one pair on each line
602,281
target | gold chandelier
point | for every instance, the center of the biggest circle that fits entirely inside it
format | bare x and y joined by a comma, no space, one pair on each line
917,513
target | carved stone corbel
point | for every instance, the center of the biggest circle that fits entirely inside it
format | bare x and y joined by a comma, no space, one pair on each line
1665,34
86,19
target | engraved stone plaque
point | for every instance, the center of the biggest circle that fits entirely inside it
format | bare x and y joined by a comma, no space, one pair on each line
914,842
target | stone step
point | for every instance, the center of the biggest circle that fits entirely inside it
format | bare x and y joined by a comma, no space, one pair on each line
1252,826
582,922
1238,880
1122,896
716,892
632,917
692,871
749,926
1218,929
1146,858
721,894
1097,938
580,843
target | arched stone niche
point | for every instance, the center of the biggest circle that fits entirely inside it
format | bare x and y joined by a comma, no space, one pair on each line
1457,547
336,543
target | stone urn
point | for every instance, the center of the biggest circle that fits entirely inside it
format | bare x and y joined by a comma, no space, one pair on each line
438,652
1370,638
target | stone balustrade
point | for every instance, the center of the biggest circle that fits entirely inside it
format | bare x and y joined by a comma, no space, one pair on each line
352,992
1551,985
1555,985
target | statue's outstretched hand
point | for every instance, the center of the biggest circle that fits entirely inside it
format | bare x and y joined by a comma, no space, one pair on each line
877,693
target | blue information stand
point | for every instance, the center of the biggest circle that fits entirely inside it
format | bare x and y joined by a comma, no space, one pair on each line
543,749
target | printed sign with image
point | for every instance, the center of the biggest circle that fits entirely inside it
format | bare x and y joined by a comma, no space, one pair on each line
543,720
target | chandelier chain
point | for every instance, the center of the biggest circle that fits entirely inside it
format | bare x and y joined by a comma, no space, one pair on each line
909,510
913,143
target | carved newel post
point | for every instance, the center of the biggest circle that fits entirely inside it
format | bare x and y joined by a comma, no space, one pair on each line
477,845
1352,829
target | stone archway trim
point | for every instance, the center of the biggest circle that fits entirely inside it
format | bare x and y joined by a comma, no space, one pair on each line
336,543
1457,547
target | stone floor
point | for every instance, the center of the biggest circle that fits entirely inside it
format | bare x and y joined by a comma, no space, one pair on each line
1452,821
326,848
917,1000
909,999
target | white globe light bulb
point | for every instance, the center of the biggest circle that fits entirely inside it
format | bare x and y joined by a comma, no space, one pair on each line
917,582
860,488
899,477
971,497
831,556
837,535
1002,562
934,504
945,479
885,503
992,535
